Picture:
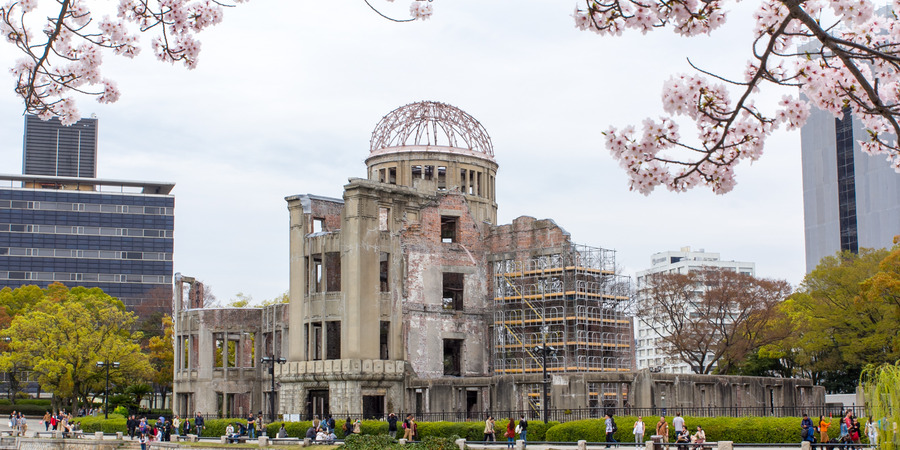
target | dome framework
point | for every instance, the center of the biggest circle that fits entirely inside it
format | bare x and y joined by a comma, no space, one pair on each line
428,123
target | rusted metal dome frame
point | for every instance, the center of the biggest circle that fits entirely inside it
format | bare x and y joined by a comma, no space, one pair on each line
429,123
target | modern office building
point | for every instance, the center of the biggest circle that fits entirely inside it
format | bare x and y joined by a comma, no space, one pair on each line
850,199
649,354
81,230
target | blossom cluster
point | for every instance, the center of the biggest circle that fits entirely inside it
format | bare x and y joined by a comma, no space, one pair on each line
850,65
67,57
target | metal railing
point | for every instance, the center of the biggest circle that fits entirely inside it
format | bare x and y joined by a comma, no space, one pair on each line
568,415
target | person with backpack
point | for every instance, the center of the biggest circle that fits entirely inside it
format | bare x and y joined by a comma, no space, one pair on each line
638,431
611,428
522,429
407,428
392,425
807,431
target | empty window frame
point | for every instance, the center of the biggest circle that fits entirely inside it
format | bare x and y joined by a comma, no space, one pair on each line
383,340
463,177
416,172
384,218
392,175
428,174
382,175
452,291
449,226
333,339
384,271
478,184
317,274
333,272
471,185
316,340
318,225
453,357
442,178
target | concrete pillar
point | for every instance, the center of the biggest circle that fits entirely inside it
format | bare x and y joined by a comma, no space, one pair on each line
461,443
119,435
223,440
263,441
98,435
297,278
582,445
306,442
726,445
402,441
649,444
520,445
805,445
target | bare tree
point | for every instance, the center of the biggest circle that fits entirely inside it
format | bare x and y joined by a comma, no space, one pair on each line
708,318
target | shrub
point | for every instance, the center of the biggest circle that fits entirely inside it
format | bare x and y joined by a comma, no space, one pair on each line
216,427
736,429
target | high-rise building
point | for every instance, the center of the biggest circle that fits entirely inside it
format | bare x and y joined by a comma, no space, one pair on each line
649,352
850,199
81,230
53,149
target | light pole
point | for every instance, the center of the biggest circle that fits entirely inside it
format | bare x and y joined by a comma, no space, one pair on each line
545,351
107,364
270,360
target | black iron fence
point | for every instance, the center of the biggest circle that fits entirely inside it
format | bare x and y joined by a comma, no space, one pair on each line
568,415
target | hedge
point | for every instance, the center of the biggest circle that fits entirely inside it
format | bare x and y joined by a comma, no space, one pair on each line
27,401
735,429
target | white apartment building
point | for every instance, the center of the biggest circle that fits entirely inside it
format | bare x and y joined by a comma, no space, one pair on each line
647,334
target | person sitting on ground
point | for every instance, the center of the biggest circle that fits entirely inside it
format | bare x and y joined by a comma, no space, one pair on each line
321,436
311,433
331,437
282,433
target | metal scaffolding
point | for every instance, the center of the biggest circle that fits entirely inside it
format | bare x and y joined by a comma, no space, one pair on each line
573,300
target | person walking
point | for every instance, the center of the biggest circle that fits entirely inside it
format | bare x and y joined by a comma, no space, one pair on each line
638,430
407,428
872,432
199,424
46,421
489,429
823,429
610,429
510,434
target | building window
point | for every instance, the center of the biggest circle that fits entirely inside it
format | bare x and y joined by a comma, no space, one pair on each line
416,172
384,219
318,225
449,227
452,357
452,297
392,175
429,173
384,271
383,340
333,332
317,341
333,272
442,178
317,274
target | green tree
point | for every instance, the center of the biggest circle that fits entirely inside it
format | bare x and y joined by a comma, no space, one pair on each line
63,336
842,318
241,300
162,358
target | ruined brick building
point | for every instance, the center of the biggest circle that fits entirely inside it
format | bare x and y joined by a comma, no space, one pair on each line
406,295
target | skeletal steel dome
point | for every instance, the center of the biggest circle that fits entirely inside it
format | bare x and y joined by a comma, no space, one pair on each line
431,124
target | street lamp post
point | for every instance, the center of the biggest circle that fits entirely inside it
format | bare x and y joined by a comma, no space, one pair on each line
545,351
106,364
270,360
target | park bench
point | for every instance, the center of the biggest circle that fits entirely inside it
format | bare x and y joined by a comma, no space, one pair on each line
49,434
287,440
7,433
186,438
234,439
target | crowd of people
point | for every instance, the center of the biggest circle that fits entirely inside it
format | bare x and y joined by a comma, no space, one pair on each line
60,421
850,430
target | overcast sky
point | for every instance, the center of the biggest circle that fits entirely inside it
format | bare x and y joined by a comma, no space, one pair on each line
287,93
